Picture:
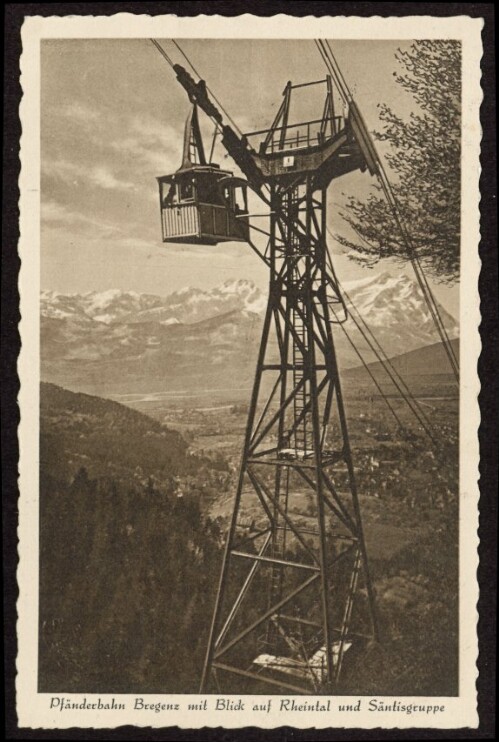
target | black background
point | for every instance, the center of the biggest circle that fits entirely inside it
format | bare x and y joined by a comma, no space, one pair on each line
14,15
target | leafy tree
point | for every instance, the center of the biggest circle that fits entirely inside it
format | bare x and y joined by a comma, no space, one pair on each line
424,163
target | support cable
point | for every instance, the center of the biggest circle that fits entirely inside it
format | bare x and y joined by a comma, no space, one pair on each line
336,75
172,65
374,380
207,88
335,71
414,410
385,361
418,270
162,51
392,202
390,369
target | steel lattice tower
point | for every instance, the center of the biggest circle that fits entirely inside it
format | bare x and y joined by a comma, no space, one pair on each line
289,439
289,604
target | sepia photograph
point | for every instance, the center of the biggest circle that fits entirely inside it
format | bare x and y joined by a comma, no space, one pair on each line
250,408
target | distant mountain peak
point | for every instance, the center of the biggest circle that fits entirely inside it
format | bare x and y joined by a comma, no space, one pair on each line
118,337
379,280
395,302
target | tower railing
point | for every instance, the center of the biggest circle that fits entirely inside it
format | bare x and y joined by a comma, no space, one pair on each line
297,136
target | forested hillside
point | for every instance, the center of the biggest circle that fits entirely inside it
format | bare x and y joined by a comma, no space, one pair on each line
127,566
108,439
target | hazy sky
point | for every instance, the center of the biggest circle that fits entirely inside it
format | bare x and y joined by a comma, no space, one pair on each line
112,120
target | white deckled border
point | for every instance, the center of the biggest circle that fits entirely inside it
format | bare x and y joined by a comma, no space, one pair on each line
33,707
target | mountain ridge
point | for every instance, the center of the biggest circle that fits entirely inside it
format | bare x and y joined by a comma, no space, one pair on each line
119,341
430,360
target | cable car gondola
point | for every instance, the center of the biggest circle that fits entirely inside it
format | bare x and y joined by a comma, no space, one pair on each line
199,203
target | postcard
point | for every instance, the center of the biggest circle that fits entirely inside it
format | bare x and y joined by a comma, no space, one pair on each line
249,417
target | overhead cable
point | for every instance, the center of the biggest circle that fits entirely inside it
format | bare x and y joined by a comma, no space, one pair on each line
335,71
229,118
381,355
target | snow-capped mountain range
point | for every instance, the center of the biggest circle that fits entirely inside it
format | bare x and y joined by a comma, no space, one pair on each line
394,306
185,306
101,341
